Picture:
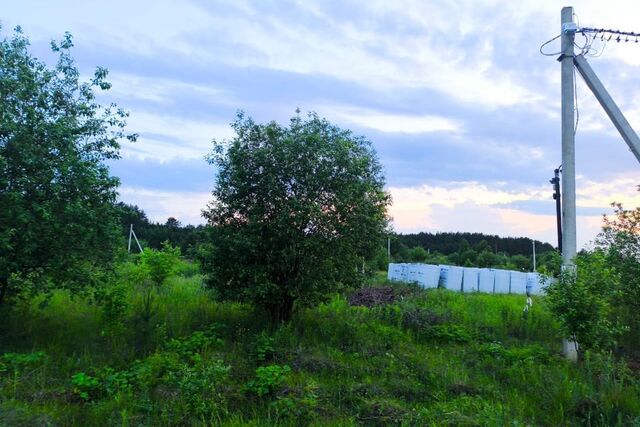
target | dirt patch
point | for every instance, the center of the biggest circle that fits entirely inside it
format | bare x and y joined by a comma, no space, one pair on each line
371,297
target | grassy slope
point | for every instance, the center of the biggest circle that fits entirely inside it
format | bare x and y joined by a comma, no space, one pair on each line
434,358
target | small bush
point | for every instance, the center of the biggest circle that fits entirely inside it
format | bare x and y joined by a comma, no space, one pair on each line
16,362
268,379
161,264
446,334
583,302
263,349
85,386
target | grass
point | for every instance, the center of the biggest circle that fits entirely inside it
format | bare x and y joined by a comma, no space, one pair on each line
176,356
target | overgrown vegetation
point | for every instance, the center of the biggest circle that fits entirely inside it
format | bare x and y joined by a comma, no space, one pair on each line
421,358
597,304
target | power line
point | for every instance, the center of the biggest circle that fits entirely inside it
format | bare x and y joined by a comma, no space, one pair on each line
603,33
591,34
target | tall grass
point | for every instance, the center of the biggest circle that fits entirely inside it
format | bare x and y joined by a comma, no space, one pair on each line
432,358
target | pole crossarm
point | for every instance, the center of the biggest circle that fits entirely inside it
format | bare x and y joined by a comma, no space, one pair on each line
608,104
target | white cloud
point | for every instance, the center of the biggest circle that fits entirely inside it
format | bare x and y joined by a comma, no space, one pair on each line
165,137
470,206
389,122
160,205
160,90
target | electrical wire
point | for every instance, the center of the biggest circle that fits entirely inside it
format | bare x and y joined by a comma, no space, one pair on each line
591,35
546,43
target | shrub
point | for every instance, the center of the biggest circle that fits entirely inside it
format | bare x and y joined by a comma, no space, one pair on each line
85,386
268,379
295,209
263,347
17,362
161,264
582,302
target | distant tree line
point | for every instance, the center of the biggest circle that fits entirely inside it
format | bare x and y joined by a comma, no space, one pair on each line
154,234
472,250
448,243
463,249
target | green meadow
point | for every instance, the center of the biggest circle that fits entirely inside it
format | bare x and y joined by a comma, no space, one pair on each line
138,354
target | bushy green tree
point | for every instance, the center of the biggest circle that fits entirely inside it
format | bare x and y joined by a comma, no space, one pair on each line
295,210
584,302
160,264
57,215
620,240
417,254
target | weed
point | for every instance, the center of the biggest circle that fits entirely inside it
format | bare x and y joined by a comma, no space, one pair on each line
268,379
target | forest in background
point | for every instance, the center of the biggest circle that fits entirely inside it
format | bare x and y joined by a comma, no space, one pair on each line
460,248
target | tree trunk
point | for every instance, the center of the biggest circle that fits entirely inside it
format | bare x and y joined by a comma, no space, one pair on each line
281,311
4,284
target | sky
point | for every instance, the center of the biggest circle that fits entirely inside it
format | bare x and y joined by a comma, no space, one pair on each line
461,107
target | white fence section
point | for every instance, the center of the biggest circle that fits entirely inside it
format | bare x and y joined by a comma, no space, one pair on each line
433,276
502,282
469,279
518,282
535,282
487,280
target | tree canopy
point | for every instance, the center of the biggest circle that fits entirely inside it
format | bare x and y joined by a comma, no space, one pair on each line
56,194
294,212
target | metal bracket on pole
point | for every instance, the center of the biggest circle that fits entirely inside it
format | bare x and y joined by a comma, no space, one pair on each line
609,106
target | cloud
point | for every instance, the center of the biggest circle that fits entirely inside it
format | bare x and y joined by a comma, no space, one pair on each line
453,94
470,206
166,137
395,123
160,205
159,90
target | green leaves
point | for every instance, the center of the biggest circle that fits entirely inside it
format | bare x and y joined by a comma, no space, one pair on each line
583,302
294,210
268,379
56,194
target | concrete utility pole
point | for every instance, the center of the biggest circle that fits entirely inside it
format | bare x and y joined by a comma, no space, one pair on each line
609,106
569,245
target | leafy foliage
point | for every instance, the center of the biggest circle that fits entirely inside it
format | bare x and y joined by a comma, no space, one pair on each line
160,264
295,209
56,195
430,358
268,379
620,241
583,302
598,304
